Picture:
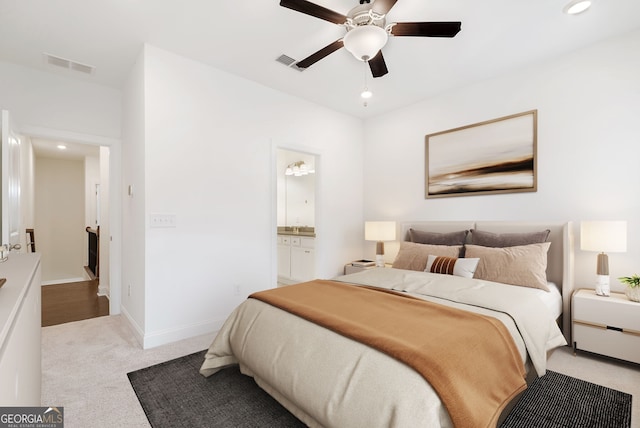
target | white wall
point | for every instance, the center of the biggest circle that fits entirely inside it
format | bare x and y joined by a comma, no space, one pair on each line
104,286
59,218
27,166
133,205
37,99
209,144
588,148
91,178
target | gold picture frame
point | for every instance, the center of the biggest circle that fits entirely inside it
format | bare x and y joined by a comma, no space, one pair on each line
491,157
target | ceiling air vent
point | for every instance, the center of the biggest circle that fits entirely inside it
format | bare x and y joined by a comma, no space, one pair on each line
68,64
288,61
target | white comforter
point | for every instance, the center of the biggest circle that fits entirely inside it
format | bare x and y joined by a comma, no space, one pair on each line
327,380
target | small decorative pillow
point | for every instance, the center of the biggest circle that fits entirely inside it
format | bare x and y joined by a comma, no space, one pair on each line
500,240
524,265
412,256
452,266
433,238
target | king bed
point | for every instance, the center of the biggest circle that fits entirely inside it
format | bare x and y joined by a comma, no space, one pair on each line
448,336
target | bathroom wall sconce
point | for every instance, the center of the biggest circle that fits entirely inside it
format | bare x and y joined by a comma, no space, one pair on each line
298,169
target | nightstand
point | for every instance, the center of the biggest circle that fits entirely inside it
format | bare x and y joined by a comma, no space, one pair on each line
349,268
606,325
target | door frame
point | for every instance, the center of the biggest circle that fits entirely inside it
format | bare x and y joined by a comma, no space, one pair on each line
115,199
292,147
8,234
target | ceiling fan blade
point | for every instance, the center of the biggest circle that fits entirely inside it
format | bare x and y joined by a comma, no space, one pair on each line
315,57
313,9
426,29
378,66
383,6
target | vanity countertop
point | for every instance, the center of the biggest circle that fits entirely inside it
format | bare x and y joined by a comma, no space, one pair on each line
297,231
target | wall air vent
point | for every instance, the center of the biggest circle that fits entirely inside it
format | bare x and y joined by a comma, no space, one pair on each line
68,64
288,61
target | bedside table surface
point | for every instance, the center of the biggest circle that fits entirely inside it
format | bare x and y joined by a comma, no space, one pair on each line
621,298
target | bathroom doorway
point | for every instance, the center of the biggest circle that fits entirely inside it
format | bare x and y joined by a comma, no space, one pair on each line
296,215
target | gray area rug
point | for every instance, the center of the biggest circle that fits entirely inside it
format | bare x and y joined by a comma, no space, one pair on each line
174,394
555,400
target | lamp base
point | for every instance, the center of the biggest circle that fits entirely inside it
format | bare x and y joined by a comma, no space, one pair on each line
379,254
602,285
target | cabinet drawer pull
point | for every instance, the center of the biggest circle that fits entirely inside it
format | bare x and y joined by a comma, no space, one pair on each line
614,328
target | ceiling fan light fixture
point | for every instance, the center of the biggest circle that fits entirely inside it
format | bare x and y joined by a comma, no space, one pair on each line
576,7
364,42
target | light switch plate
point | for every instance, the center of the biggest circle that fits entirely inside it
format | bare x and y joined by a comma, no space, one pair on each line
162,220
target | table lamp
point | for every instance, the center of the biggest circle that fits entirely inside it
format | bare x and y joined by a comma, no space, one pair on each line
380,231
603,236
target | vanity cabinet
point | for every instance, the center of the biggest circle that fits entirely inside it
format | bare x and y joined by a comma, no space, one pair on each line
296,259
284,257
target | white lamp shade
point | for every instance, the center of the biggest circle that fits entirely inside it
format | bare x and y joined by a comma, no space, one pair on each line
380,230
365,41
603,236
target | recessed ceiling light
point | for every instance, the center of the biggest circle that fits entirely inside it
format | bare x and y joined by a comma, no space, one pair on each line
62,147
575,7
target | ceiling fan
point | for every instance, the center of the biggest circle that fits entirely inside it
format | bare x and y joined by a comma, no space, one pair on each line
367,31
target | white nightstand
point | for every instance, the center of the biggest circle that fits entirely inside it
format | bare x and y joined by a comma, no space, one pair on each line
606,325
350,268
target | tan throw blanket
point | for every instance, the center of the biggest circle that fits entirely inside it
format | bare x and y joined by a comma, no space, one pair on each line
469,359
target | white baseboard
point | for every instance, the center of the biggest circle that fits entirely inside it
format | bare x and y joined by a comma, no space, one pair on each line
63,281
151,340
135,328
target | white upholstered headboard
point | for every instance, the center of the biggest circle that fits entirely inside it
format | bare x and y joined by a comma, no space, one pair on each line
559,258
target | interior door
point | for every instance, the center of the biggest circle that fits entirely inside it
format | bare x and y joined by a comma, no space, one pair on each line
10,184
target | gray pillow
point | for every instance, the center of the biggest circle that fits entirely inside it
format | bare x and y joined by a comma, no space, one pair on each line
500,240
433,238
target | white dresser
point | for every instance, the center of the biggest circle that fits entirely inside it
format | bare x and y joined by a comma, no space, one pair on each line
606,325
20,328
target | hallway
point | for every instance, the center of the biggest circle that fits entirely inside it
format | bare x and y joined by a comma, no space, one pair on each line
73,301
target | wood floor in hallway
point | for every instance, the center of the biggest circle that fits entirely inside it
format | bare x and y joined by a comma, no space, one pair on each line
73,301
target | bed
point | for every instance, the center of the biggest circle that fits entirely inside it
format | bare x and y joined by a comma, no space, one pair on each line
333,375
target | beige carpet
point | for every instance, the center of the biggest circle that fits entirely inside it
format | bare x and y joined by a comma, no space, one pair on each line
85,366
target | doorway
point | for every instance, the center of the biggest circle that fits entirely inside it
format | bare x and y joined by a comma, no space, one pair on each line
296,216
69,199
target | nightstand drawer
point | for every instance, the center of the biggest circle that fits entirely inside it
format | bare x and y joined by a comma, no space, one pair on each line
625,346
614,311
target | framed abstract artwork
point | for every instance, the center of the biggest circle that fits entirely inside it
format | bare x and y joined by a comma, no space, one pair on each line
495,156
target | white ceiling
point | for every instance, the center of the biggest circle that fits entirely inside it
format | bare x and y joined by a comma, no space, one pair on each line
245,37
72,151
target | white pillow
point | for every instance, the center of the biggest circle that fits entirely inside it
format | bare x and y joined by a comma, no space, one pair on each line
452,266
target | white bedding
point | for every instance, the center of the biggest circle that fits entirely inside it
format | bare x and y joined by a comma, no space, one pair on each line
328,380
552,299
